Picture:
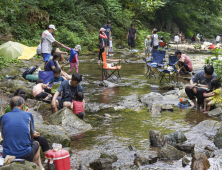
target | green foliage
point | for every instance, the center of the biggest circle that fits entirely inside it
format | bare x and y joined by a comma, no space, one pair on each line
4,62
197,46
165,35
215,62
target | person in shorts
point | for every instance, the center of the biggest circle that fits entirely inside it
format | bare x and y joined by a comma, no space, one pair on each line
131,36
68,88
46,43
108,29
184,63
147,46
38,90
17,130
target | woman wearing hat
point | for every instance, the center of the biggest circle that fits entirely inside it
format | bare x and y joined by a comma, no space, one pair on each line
102,36
73,59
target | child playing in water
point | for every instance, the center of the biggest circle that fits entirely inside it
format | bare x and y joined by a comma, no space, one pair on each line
73,59
38,91
147,46
77,105
110,46
212,97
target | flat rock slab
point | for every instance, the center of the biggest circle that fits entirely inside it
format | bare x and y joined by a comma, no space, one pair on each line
167,108
215,113
169,152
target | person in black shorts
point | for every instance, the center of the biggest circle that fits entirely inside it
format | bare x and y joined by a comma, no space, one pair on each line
131,36
108,29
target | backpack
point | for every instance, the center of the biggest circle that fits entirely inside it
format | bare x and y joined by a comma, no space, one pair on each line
29,71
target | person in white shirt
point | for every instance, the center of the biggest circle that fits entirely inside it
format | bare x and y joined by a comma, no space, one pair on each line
176,38
154,39
110,46
218,39
39,50
46,43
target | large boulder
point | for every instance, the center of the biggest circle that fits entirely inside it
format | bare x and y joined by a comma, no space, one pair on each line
169,152
36,116
218,138
200,162
53,134
139,160
215,113
175,138
26,166
101,164
186,148
69,121
157,139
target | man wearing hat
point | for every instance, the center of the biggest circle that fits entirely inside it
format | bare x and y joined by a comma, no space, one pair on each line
108,29
46,43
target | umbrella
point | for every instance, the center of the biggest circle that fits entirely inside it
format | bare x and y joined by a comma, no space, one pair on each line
11,50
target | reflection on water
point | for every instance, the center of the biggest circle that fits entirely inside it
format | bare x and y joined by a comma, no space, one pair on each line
127,127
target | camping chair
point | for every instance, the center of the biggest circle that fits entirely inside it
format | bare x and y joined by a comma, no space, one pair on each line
107,70
171,73
160,52
157,61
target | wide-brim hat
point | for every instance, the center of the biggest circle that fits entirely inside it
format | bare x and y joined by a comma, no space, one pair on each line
77,48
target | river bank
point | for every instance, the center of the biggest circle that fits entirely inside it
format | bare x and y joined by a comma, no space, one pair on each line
123,113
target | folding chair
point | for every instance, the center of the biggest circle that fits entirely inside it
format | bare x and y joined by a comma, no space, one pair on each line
171,73
157,61
160,52
107,70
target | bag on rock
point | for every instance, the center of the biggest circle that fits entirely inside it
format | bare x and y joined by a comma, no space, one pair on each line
29,71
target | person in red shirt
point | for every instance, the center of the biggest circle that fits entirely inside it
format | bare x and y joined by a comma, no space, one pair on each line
184,63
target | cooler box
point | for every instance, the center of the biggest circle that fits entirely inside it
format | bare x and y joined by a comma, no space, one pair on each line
59,160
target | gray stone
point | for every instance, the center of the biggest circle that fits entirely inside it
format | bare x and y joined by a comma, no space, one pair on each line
18,166
36,116
69,121
185,147
209,154
105,155
200,162
140,161
156,109
152,159
167,87
171,92
218,138
167,108
109,84
132,148
157,139
209,148
215,113
53,134
185,161
169,152
175,137
101,164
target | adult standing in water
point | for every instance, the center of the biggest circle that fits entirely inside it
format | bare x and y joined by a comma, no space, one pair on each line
108,29
154,39
46,42
131,36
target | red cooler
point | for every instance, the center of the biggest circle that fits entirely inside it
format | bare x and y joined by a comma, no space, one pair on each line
59,160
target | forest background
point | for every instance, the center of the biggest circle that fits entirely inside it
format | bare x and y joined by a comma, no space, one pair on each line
78,21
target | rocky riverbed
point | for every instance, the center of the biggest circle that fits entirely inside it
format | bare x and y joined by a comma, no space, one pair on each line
122,114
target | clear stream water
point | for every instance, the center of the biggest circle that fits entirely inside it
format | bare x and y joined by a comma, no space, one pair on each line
131,127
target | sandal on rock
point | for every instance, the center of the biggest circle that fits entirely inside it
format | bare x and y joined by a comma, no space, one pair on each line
206,112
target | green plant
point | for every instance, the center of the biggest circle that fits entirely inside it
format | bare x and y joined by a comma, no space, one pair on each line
4,62
197,46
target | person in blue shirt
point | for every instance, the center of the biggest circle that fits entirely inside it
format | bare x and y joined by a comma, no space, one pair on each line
200,84
17,130
68,89
108,29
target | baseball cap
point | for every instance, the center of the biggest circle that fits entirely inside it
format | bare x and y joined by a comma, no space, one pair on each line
78,47
52,26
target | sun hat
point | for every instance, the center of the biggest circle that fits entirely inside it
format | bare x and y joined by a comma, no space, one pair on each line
102,29
57,50
52,26
148,36
77,48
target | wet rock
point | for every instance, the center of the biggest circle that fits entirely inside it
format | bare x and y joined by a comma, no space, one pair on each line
18,166
167,87
209,148
149,99
153,159
131,102
218,138
81,167
185,147
209,154
37,105
156,109
69,121
185,161
53,134
132,148
139,161
170,153
182,93
171,92
175,137
36,116
200,162
106,115
106,83
202,134
101,164
215,113
114,158
157,139
167,108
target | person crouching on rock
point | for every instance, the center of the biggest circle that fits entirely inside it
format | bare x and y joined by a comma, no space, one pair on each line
214,96
200,84
77,105
184,63
68,89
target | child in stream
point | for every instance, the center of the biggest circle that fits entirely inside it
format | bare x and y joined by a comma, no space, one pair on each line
214,96
147,46
77,105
